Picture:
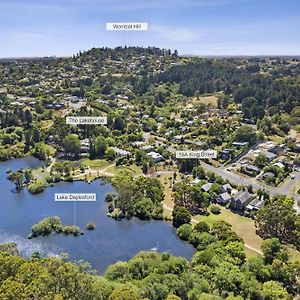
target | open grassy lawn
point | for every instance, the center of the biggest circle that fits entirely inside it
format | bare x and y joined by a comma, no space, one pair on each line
161,167
95,164
134,169
56,113
250,253
45,124
87,177
50,149
294,134
275,138
243,226
40,173
212,100
295,187
168,200
294,254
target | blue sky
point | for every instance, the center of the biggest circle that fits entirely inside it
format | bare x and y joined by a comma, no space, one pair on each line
199,27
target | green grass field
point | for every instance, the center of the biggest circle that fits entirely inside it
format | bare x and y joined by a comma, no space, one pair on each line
50,149
95,164
40,173
245,228
134,169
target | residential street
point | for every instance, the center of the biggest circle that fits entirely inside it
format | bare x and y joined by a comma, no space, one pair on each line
283,190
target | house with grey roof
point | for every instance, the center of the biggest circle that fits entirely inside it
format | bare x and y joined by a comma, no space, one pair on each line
195,181
206,187
279,165
256,204
226,188
250,170
267,174
240,144
269,155
224,198
240,200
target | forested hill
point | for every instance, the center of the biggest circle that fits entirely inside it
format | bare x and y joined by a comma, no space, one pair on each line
205,76
125,52
277,90
260,86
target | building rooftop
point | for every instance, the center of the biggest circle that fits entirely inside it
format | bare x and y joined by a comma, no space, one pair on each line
206,187
243,196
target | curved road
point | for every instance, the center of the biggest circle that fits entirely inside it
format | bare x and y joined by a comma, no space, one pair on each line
283,190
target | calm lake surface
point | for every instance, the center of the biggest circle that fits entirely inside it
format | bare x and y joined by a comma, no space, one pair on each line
111,241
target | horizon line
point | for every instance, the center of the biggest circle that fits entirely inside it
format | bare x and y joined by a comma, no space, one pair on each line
145,47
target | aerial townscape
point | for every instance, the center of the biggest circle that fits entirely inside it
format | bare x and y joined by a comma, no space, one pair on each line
149,150
238,211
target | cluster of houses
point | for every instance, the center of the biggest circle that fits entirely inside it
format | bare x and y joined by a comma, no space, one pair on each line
20,101
134,65
85,146
54,105
154,156
275,154
241,201
226,154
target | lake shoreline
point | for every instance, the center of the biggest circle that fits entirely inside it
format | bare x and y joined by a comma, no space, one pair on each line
109,242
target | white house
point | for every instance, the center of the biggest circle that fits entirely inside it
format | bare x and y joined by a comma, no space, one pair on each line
85,145
121,152
156,157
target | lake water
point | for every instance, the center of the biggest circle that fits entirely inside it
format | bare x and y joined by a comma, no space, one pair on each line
111,241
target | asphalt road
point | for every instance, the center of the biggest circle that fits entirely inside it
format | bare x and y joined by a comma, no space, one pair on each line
284,189
234,178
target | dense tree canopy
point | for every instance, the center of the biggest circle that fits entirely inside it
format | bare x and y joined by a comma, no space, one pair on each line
218,270
279,219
